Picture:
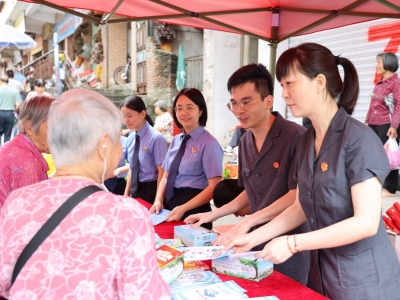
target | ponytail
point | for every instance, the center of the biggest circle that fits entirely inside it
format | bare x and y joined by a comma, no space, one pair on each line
312,59
149,119
351,88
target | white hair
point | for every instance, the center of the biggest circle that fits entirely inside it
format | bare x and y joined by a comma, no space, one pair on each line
77,121
162,104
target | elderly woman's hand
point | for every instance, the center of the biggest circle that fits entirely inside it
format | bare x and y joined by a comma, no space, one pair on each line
392,132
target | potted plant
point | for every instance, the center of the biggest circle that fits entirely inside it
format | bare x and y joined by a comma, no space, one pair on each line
166,33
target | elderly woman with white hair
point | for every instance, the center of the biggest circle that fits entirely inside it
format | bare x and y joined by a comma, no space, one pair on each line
164,121
104,247
21,160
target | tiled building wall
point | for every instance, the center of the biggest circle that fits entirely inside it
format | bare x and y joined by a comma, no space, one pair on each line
117,50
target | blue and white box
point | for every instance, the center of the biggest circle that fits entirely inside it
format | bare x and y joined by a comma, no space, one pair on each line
190,236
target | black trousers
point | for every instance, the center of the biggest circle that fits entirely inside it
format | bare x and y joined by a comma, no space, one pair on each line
116,185
121,185
392,180
146,191
6,124
183,195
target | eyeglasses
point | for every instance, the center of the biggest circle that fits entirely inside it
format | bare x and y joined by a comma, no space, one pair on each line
234,106
180,109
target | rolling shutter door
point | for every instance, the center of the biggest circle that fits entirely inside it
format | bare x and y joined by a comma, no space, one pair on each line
360,43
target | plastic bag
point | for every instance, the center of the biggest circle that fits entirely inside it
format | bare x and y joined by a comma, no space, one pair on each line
389,101
393,153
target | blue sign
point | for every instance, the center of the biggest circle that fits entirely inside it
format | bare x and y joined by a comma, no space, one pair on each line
67,26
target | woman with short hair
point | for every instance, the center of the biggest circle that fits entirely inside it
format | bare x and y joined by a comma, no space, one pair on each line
104,247
21,162
164,120
384,121
193,165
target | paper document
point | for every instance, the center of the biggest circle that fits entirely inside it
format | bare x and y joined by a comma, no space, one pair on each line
212,252
221,291
204,253
161,217
189,281
244,254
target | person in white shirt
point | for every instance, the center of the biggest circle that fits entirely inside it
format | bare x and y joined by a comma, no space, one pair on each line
12,83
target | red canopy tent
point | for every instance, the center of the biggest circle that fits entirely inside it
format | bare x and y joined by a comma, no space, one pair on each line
271,20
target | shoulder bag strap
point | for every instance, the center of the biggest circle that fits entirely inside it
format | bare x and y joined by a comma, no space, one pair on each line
50,225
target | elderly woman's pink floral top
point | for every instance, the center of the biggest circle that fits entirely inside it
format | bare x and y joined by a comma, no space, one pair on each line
378,112
104,249
21,164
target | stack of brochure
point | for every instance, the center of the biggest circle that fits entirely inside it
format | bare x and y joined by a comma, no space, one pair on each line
161,217
196,282
217,291
220,290
190,280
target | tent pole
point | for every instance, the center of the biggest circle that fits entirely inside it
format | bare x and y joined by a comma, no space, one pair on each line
107,56
57,64
272,59
105,19
273,43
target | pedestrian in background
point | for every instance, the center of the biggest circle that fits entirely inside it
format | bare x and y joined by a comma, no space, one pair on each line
39,90
384,117
164,120
9,103
22,79
15,84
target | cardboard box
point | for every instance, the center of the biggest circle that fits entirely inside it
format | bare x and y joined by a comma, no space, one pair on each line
170,262
194,236
247,267
230,171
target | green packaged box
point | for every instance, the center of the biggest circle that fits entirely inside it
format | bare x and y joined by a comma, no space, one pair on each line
248,267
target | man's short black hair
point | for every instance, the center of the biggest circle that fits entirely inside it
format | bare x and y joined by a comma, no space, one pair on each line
225,191
257,73
10,74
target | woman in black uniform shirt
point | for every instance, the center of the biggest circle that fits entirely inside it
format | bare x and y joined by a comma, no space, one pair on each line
340,168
